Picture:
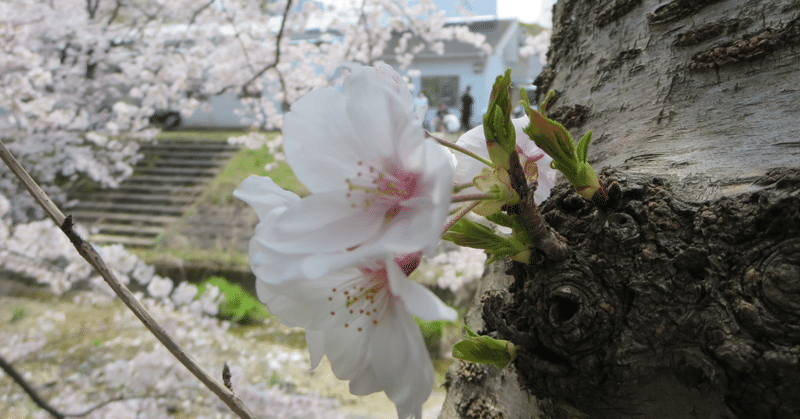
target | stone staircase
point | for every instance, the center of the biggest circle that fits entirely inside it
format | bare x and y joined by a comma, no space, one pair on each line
165,183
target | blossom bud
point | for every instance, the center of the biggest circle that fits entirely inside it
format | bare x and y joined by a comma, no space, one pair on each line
557,142
497,126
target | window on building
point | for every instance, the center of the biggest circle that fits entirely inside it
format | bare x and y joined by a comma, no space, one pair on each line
441,89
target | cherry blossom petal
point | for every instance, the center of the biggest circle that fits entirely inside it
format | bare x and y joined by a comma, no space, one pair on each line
396,345
367,121
264,195
423,303
323,222
365,382
358,318
315,341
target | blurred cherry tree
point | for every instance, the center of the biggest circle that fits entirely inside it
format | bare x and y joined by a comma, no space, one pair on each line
81,77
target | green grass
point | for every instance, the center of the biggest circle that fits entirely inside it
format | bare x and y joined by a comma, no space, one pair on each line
248,162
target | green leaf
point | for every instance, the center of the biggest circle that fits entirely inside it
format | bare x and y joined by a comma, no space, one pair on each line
485,350
583,147
471,234
432,329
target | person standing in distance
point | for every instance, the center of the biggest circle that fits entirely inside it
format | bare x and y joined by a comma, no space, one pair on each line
466,109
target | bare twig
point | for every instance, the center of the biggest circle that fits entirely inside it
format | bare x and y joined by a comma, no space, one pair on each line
87,251
274,64
9,369
200,10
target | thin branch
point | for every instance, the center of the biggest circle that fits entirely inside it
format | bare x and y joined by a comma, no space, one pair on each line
41,198
87,251
277,53
92,8
99,405
200,10
17,377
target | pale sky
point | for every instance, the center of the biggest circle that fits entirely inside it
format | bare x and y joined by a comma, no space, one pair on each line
528,11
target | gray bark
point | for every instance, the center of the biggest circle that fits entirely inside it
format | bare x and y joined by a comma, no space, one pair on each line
705,92
703,320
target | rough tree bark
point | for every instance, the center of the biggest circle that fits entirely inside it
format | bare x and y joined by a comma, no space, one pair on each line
681,297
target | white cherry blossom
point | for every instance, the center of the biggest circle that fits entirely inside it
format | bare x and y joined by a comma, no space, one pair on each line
361,318
474,140
378,185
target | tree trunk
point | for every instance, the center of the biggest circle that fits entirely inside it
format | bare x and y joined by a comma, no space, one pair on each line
681,298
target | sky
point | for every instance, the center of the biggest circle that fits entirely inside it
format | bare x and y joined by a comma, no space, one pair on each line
528,11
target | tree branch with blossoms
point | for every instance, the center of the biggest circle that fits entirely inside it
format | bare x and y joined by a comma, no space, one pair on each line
90,255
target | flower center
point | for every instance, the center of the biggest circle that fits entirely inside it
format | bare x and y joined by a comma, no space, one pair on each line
364,297
382,190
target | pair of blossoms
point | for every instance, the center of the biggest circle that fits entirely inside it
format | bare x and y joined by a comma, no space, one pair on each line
337,261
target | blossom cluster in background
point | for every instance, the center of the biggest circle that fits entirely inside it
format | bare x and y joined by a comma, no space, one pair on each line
126,372
81,79
455,269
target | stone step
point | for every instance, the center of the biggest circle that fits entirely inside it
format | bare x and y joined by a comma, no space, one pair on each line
179,162
174,190
134,219
191,155
115,196
189,145
162,180
164,184
179,171
120,239
128,229
128,208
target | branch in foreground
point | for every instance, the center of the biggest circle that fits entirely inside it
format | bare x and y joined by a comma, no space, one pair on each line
17,377
87,251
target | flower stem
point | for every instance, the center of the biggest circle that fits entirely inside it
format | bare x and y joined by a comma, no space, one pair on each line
473,197
460,149
460,187
460,214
